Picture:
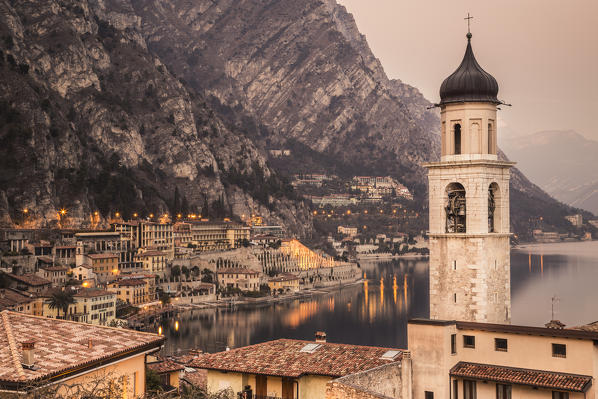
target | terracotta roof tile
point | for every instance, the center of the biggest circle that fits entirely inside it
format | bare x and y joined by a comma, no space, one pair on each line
165,366
284,358
511,375
30,279
61,345
102,256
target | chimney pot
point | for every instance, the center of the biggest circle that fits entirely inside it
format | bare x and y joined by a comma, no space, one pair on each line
321,337
28,353
89,343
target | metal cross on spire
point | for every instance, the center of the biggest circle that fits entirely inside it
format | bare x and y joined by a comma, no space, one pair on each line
468,18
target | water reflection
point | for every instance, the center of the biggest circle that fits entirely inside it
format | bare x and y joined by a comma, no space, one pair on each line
566,270
369,313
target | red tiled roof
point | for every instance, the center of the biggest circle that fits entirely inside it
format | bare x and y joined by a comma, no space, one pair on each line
129,282
61,346
10,298
511,375
30,279
165,366
102,256
284,358
92,293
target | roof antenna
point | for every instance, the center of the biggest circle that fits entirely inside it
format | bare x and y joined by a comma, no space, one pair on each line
468,18
554,299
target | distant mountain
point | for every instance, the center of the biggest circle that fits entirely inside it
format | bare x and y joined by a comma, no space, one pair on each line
563,163
168,105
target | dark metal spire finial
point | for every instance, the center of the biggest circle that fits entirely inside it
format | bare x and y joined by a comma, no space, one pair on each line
468,18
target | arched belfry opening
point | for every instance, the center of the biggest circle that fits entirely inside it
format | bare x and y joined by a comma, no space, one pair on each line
456,208
457,139
494,215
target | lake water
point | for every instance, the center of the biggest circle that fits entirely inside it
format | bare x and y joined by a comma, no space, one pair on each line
376,311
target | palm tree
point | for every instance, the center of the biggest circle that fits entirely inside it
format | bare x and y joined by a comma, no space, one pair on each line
61,300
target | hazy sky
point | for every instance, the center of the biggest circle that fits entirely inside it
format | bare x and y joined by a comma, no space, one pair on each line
544,53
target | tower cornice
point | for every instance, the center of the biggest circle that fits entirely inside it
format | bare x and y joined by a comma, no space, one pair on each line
466,163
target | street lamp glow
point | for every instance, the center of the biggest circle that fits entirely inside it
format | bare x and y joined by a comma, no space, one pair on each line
25,210
151,215
63,211
135,215
117,214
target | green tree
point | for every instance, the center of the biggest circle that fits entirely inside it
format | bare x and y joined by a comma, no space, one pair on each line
175,271
61,300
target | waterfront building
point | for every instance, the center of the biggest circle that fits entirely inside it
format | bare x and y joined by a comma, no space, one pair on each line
294,369
49,356
454,359
286,282
132,291
239,277
91,305
469,203
576,220
152,261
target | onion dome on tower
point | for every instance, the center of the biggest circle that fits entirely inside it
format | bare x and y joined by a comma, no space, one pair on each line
469,82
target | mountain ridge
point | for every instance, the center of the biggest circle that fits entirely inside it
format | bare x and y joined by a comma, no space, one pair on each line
186,96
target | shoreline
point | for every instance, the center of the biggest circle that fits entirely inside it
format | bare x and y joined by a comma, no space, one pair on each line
267,300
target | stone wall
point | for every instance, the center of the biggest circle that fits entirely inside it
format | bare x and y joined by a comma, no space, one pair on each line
384,382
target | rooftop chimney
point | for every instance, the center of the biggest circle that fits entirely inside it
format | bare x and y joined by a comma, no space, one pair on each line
556,324
28,354
321,337
89,343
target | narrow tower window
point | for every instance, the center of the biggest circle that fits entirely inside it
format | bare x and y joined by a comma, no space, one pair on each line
490,139
457,139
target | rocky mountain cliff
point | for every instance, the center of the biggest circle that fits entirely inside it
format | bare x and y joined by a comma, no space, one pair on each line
93,121
131,104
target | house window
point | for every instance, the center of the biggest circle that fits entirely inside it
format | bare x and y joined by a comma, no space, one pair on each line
560,395
559,350
503,391
453,344
455,389
469,389
429,395
468,341
500,344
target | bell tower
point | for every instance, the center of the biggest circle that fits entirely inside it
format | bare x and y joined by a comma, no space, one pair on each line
469,203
